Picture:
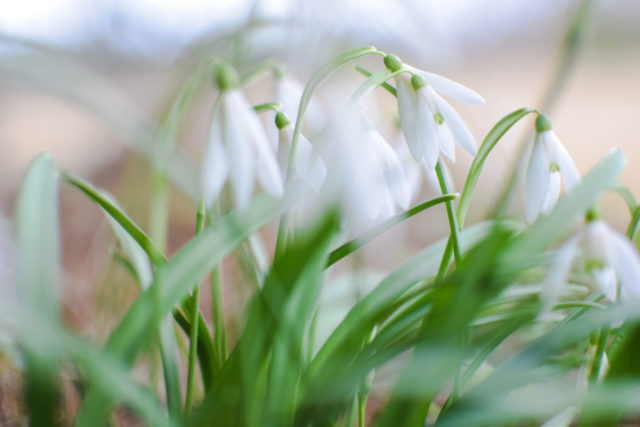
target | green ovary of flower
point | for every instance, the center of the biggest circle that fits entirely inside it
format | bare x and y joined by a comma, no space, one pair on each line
593,264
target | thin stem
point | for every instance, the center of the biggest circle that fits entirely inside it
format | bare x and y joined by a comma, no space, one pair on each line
601,347
193,335
451,214
219,330
318,78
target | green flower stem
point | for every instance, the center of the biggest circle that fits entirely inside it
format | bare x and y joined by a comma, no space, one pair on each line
318,78
267,106
451,214
193,336
601,347
219,330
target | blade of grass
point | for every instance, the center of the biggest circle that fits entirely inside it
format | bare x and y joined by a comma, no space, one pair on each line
38,272
356,243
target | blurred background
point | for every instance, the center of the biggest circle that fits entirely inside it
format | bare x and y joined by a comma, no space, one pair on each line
90,80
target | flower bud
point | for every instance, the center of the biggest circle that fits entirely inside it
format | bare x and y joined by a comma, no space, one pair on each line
282,120
392,62
417,82
226,77
543,123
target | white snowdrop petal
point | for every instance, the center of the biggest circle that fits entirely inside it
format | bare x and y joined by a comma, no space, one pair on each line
450,88
214,169
393,171
625,260
240,155
553,193
408,114
268,171
427,133
311,167
431,177
458,128
606,280
559,154
284,148
537,181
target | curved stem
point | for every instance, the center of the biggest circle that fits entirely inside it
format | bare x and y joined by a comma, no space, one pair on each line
318,78
193,335
451,214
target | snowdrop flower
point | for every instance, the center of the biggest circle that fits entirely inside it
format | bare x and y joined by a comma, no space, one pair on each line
549,168
367,177
611,259
603,253
309,166
430,125
238,148
288,92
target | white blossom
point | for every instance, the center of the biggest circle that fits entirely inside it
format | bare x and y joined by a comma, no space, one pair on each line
367,178
430,125
310,167
550,167
238,149
611,259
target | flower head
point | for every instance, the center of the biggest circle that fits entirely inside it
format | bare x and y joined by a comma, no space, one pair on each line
367,177
611,259
310,167
550,167
238,148
430,125
601,252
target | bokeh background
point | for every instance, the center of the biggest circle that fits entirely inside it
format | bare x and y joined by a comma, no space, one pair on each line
89,81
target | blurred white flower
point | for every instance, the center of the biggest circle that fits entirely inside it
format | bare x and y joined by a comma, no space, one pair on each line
367,178
611,259
309,165
238,148
603,253
550,167
289,92
430,125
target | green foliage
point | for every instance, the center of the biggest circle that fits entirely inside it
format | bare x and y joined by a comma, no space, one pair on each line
478,342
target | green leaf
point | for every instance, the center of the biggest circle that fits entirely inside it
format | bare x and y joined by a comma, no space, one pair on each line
155,255
264,368
370,84
355,244
174,279
38,276
490,141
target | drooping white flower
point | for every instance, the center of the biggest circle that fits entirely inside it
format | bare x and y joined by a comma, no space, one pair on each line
288,92
549,168
366,178
238,148
430,125
603,253
310,167
612,259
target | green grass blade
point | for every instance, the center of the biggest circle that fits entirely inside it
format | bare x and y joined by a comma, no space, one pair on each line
489,142
174,280
155,255
39,272
355,244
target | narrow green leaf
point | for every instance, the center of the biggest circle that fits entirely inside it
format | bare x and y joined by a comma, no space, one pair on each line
155,255
385,85
174,279
355,244
490,141
38,273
